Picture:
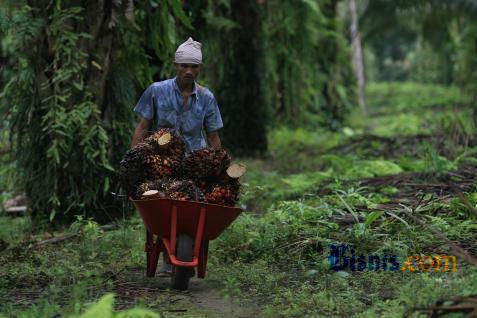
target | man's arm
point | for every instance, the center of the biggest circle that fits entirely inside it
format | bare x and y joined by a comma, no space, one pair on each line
214,139
141,131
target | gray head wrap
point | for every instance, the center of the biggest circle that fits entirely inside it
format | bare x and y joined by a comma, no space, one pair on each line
189,52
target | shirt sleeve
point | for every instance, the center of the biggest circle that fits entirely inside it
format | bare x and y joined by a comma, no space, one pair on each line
145,105
213,119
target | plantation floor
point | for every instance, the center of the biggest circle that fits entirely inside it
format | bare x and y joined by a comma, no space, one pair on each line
60,278
203,298
365,187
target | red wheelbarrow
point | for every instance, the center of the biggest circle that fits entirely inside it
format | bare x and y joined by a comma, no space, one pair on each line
183,230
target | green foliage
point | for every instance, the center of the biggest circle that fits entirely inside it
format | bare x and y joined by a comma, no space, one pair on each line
298,149
301,230
228,26
372,168
68,93
49,125
284,248
463,34
411,164
297,59
104,308
397,97
350,167
308,74
7,168
71,274
435,162
283,140
425,41
308,300
13,231
305,192
289,226
68,128
407,109
302,182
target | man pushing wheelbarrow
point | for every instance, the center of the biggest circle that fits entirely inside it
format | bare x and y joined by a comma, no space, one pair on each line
183,224
181,103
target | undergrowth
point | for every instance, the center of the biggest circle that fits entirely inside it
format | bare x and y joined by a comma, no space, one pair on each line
305,194
308,196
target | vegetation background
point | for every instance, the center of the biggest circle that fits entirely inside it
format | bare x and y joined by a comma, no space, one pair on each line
354,118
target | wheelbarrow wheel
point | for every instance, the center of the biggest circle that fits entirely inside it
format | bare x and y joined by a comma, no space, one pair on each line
181,275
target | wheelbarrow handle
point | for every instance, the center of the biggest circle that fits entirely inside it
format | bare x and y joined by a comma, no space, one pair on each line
174,260
117,195
171,245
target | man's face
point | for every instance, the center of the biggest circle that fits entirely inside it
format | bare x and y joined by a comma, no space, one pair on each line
187,73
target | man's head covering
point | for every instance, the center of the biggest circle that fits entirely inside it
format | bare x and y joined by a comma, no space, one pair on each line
189,52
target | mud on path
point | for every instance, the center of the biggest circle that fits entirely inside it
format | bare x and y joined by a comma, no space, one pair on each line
204,297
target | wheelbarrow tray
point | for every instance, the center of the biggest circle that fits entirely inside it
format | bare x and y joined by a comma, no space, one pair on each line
157,217
167,219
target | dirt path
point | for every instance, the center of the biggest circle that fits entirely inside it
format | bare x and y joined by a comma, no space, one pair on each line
203,299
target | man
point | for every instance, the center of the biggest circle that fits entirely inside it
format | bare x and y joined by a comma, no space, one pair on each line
181,103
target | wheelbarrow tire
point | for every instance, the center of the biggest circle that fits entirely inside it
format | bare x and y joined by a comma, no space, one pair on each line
184,252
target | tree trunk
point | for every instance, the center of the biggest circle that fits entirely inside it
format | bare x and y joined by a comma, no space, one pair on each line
357,58
87,84
240,96
337,67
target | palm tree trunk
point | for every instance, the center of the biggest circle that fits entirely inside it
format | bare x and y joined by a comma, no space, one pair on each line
357,56
242,103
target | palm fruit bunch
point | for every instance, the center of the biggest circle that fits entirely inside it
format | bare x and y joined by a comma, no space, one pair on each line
225,191
134,167
184,190
160,185
166,142
205,163
222,195
159,168
162,166
169,151
159,155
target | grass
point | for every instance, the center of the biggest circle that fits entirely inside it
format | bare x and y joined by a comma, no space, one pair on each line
69,274
284,248
276,253
409,96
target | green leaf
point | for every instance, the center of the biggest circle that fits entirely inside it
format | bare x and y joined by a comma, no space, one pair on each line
342,274
313,5
348,207
53,153
398,218
373,216
221,23
179,13
311,272
107,166
106,185
138,313
78,85
52,215
103,308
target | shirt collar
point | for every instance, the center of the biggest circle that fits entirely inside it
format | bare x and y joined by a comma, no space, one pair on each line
194,87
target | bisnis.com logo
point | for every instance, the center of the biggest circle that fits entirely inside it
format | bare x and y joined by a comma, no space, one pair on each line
343,257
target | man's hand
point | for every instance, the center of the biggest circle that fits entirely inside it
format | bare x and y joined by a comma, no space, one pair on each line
214,140
141,132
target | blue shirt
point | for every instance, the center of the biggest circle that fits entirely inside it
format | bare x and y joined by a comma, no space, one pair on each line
162,102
